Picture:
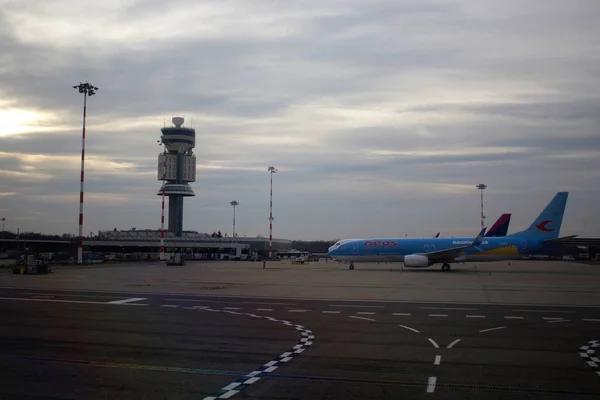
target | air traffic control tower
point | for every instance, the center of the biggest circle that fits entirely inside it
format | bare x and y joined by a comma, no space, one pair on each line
178,164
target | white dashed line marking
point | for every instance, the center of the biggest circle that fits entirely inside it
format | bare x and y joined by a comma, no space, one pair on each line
264,309
431,384
363,318
126,301
438,360
475,316
433,342
170,305
492,329
242,383
297,310
546,311
352,305
451,345
559,320
512,317
553,319
365,313
438,315
409,328
231,308
330,312
402,314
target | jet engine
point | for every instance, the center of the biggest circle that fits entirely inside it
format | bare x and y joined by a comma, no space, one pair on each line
416,261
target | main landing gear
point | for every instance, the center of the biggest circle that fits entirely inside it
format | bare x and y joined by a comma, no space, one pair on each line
351,266
445,267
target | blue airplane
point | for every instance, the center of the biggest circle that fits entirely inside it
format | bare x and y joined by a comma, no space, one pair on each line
540,238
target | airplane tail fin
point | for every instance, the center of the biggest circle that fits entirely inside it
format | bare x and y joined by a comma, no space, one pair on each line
500,227
547,224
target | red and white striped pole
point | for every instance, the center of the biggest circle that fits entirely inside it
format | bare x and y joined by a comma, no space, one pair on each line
272,170
162,215
87,90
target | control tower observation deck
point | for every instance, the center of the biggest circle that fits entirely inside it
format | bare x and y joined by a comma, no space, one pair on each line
177,166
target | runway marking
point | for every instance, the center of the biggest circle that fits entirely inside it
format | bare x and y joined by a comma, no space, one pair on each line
365,313
512,317
431,384
196,308
438,315
451,345
231,308
448,308
561,320
353,305
74,295
409,328
363,318
547,311
125,301
591,319
403,314
587,353
264,309
200,300
438,360
242,383
65,301
492,329
170,305
475,316
552,318
234,297
298,310
433,342
268,303
330,312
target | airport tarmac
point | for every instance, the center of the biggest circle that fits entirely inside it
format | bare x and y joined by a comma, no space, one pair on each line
336,334
521,282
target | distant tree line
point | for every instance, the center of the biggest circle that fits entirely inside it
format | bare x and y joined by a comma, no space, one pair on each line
37,236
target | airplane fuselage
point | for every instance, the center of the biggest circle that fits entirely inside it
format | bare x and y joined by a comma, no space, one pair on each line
395,249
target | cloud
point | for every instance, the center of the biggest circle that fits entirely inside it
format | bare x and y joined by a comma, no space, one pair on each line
381,116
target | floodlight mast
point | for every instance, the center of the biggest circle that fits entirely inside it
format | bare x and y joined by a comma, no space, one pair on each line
482,187
234,204
86,89
272,170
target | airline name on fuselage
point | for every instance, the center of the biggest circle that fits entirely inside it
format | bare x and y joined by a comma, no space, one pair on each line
381,243
467,242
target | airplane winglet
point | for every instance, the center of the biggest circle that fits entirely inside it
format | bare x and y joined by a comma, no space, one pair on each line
479,238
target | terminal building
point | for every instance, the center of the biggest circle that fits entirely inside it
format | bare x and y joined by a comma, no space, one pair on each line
201,245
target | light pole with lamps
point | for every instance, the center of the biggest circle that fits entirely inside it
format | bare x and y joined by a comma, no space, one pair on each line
272,170
234,204
482,187
88,90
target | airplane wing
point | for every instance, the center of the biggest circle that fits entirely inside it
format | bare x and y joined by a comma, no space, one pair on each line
559,240
452,253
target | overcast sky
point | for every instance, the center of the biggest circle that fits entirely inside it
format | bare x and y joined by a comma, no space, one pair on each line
381,116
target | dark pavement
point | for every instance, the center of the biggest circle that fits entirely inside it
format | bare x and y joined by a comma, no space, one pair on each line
72,345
